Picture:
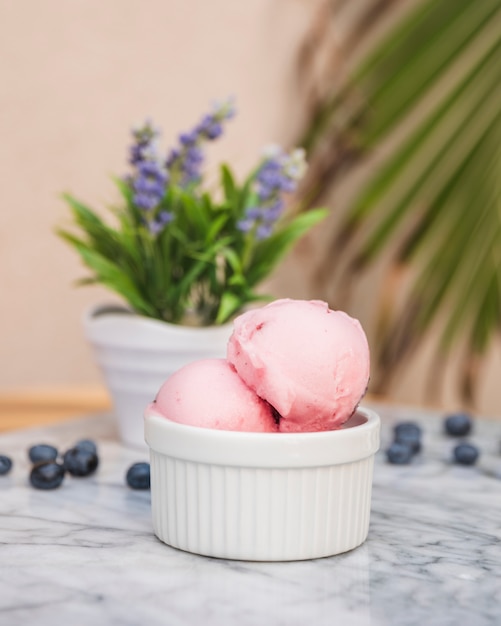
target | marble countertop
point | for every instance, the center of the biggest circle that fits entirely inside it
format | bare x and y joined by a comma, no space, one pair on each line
86,554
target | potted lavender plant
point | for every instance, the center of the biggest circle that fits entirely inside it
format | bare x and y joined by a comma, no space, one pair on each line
185,261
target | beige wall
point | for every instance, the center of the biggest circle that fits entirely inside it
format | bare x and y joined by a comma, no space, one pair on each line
74,76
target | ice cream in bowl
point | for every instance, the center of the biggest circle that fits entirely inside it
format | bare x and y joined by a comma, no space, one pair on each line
267,455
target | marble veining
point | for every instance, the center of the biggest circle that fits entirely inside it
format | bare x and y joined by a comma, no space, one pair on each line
86,553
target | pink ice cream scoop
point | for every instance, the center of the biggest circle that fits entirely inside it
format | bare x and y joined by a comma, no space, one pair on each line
309,362
209,393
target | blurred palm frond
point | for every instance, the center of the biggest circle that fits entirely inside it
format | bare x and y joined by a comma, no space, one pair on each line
426,97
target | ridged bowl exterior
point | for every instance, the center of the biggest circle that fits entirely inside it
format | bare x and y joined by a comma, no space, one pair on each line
265,513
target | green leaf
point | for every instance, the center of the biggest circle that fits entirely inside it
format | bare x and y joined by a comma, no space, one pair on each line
482,119
268,252
476,85
230,303
229,185
84,216
233,259
426,99
215,228
406,85
114,278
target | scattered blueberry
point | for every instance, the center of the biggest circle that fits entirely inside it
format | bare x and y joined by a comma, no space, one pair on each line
47,475
42,452
138,476
466,454
411,438
407,437
399,453
86,444
408,428
458,424
80,461
5,464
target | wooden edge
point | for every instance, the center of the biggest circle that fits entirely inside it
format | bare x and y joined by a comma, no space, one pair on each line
79,397
22,408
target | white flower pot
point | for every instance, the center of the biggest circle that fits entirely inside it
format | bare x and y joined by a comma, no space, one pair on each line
137,354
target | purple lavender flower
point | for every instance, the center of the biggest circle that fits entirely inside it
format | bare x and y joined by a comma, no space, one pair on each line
253,213
149,184
149,179
274,211
188,139
184,163
210,128
278,174
145,143
172,158
157,224
245,225
264,230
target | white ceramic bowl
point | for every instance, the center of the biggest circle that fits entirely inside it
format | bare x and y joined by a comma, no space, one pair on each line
262,496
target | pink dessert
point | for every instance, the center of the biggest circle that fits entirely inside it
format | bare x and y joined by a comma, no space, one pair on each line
309,362
210,394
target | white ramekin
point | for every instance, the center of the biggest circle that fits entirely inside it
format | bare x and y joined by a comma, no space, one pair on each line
262,496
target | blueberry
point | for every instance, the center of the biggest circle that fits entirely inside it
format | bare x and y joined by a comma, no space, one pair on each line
466,454
138,476
410,438
86,444
399,453
47,475
408,433
5,464
408,428
80,462
42,452
458,424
